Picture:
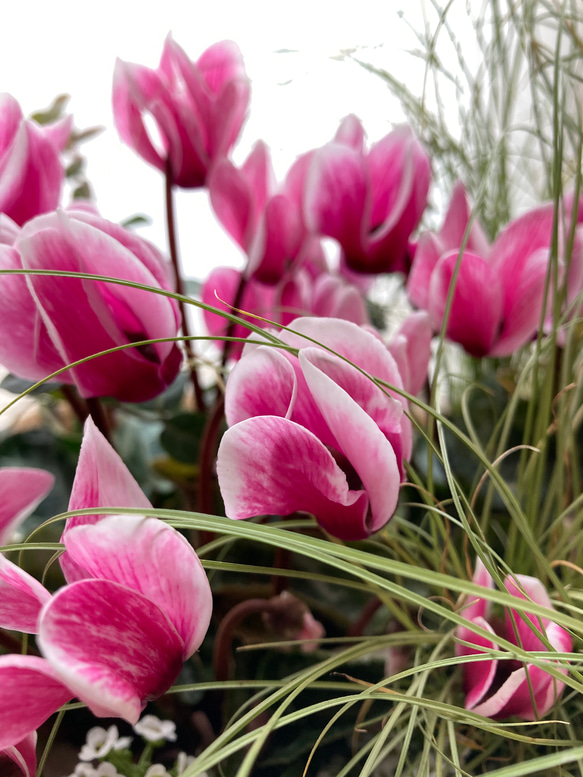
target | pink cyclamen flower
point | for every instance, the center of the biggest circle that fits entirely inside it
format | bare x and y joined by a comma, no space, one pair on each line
49,321
501,688
198,108
311,433
499,293
115,639
266,220
369,201
31,174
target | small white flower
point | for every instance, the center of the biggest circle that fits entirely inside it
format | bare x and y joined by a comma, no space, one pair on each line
157,770
99,742
183,761
83,770
153,729
106,770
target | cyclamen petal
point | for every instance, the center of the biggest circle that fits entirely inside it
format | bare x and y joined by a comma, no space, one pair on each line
30,691
199,108
21,755
473,326
148,556
101,480
271,465
22,489
31,174
21,598
113,647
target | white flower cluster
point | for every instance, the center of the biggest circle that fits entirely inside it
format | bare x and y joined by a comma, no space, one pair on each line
100,742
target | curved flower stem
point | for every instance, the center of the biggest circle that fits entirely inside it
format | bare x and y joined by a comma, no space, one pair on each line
365,617
173,247
224,635
208,449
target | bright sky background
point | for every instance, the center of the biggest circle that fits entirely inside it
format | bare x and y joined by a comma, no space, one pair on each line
298,97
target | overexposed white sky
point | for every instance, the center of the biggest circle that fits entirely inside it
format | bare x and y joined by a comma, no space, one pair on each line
300,88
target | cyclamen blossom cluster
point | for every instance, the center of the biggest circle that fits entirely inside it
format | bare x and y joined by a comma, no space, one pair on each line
117,634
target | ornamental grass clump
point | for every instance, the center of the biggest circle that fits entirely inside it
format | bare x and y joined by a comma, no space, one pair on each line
353,545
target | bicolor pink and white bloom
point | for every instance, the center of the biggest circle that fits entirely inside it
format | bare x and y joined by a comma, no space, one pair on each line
501,688
499,295
137,604
118,638
53,321
115,639
369,201
31,173
198,109
312,433
264,219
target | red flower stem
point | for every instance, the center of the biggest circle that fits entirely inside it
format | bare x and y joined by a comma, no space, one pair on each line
206,459
224,637
99,416
78,406
173,247
231,327
365,617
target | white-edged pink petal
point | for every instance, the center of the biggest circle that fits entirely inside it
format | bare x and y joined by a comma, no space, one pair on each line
270,465
362,419
101,480
30,692
336,196
148,556
113,647
262,383
21,598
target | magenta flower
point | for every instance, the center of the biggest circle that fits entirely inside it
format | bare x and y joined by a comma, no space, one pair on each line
31,174
431,245
369,201
198,108
264,219
50,321
499,294
311,433
500,688
117,639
